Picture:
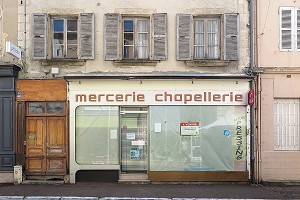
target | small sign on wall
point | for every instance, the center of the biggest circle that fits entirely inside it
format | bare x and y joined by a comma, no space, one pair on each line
189,128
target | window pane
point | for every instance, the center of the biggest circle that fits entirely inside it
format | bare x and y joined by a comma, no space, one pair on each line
219,146
58,51
72,38
58,38
96,135
36,107
286,39
143,26
128,25
128,52
128,38
72,25
199,39
298,39
55,107
143,39
199,26
58,25
199,52
142,52
72,51
286,19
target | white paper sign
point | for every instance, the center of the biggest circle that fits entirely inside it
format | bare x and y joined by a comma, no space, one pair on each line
157,127
138,142
130,136
113,134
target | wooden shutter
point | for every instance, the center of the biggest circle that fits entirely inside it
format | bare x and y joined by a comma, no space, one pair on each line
86,36
39,36
231,34
159,36
286,29
184,37
112,31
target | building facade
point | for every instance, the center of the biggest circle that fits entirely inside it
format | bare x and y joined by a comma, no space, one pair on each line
131,90
9,68
277,51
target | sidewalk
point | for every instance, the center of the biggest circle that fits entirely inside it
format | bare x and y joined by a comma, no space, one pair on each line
149,191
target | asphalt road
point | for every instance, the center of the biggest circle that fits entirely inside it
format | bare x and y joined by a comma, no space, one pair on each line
218,191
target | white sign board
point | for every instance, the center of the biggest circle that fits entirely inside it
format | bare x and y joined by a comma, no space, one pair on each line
189,128
13,50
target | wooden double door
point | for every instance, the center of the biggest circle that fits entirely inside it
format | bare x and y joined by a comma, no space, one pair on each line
46,146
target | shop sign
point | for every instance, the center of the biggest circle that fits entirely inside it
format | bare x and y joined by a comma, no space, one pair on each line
251,97
13,50
159,97
134,153
189,128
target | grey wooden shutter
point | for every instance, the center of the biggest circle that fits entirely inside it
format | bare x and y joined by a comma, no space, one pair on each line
112,40
184,36
86,36
159,36
39,36
231,36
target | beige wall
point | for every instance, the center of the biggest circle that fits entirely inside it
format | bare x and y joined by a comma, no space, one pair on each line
8,28
276,165
268,38
35,69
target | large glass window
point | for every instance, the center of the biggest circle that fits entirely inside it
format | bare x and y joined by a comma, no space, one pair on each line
198,138
97,135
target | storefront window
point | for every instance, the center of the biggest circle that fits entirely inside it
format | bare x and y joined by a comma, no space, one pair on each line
198,138
97,135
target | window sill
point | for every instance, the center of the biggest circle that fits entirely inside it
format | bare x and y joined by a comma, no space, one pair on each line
208,63
135,62
66,62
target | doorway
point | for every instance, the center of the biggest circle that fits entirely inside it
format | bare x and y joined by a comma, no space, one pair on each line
46,140
134,139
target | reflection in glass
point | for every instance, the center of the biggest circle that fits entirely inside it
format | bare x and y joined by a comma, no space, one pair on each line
55,107
36,107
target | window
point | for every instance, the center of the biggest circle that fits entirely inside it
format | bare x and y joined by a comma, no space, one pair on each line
135,38
206,38
64,38
289,29
286,124
70,37
200,37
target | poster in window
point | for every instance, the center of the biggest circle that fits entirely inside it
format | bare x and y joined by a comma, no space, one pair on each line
134,153
189,128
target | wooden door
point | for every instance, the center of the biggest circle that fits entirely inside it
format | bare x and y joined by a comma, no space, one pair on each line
56,157
46,146
35,146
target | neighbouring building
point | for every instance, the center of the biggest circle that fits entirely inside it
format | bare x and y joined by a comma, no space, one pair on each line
9,68
278,68
135,90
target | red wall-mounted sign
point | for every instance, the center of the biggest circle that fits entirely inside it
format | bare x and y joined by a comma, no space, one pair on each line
251,97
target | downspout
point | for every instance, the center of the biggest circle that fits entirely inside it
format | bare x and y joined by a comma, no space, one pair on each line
252,86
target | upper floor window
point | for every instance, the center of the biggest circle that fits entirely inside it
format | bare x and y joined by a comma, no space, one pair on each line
199,38
136,37
206,38
70,37
289,29
65,41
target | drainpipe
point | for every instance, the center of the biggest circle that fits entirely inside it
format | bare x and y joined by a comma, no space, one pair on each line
252,86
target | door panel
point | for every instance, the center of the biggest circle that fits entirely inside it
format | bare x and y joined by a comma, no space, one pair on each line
56,146
35,145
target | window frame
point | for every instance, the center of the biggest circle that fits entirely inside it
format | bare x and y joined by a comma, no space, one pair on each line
65,37
294,29
136,44
206,32
287,129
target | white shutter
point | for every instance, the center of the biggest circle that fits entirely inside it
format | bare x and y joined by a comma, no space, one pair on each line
286,28
298,29
86,36
159,36
184,36
286,124
231,36
112,40
39,36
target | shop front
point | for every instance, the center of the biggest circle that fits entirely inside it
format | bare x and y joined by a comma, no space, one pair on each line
160,130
